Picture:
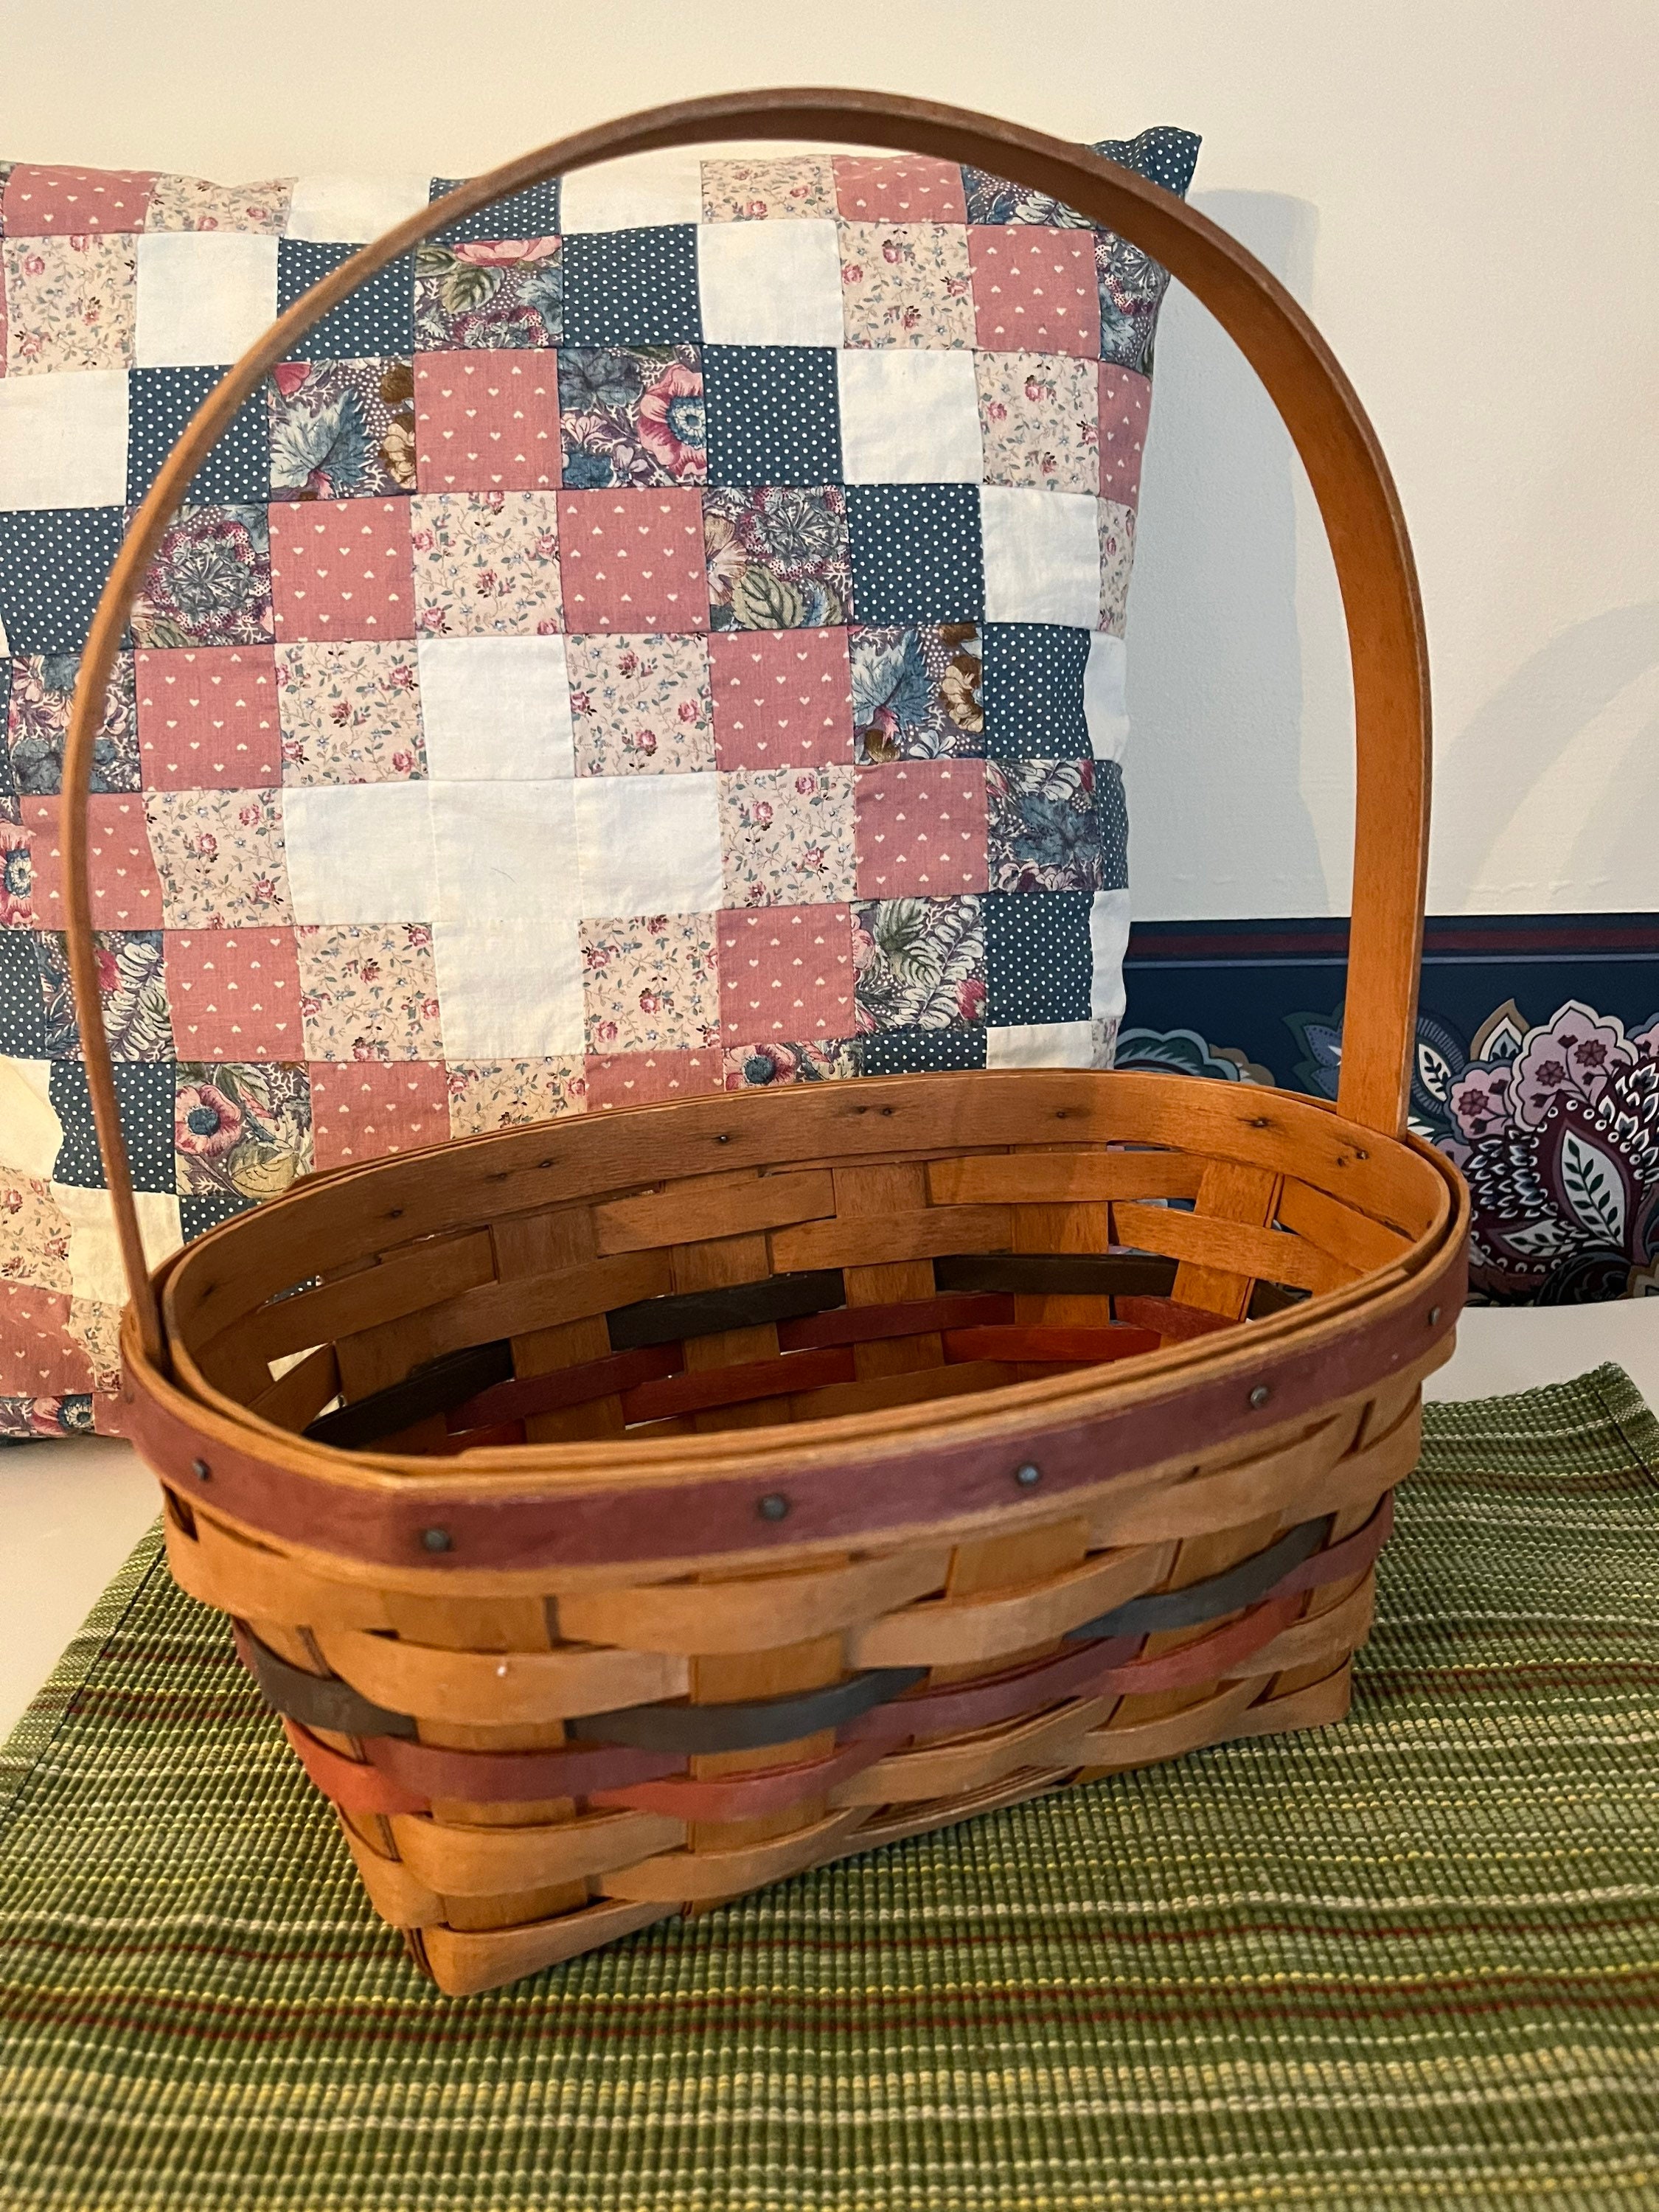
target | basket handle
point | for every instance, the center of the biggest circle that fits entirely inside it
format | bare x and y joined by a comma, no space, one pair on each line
1339,449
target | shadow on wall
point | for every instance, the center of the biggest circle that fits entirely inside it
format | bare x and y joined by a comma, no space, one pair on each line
1214,773
1545,787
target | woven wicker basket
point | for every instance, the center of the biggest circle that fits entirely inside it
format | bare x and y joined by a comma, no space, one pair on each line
838,1460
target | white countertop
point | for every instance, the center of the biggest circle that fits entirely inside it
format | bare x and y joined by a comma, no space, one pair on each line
72,1510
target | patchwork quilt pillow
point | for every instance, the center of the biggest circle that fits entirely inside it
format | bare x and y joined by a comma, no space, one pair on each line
665,635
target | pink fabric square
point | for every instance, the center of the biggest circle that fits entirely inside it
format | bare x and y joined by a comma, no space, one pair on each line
783,698
361,1110
234,993
486,421
341,567
904,188
1035,288
921,829
65,202
39,1357
126,890
785,974
207,718
639,1078
633,561
1125,400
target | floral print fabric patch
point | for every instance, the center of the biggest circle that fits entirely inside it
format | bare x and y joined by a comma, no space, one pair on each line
662,635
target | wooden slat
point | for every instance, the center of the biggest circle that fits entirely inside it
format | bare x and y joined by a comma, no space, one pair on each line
1348,1236
703,1876
754,1614
300,1394
509,1309
533,1245
714,1206
462,1862
406,1283
960,1631
1043,1178
1211,1248
866,1191
1228,1192
920,1235
496,1690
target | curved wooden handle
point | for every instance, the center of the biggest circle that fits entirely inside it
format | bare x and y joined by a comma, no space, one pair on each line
1339,449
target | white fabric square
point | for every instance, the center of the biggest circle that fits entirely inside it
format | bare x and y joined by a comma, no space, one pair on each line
360,852
94,1252
31,1134
352,210
771,283
204,296
63,439
649,844
509,990
1042,556
496,708
505,851
1043,1044
1108,935
909,415
638,194
1104,709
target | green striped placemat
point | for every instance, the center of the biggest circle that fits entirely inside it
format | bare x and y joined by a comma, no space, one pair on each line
1412,1960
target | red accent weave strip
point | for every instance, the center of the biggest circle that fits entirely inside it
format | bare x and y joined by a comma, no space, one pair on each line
1076,1347
737,1386
348,1782
1173,1322
908,1317
526,1395
1346,1558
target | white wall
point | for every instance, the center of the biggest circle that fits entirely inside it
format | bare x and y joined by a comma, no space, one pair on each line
1465,196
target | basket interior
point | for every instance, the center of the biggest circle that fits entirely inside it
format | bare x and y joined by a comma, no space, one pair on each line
826,1273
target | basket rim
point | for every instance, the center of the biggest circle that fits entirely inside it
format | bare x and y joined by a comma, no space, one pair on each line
1369,1329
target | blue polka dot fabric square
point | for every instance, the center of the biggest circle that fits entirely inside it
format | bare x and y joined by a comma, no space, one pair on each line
917,553
200,1211
10,810
161,402
1039,961
144,1091
23,1000
1112,822
774,415
53,562
378,318
532,213
923,1052
633,287
1033,679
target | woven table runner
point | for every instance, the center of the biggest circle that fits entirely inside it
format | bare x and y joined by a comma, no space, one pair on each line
1412,1960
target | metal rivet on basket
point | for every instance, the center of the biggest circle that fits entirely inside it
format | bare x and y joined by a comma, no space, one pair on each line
1434,1316
773,1507
437,1539
1028,1476
722,1139
200,1470
1259,1395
